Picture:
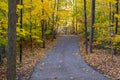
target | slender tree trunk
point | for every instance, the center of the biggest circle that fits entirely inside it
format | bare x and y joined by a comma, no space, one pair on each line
73,25
35,28
117,12
31,28
21,39
76,17
85,25
73,22
11,54
92,24
116,22
110,14
43,27
76,25
53,23
113,19
57,18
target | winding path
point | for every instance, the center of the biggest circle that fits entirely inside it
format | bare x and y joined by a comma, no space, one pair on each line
65,63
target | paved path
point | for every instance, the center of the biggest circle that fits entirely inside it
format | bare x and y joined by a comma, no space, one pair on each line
65,63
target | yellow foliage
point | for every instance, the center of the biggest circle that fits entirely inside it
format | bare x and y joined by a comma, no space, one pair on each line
116,39
19,6
117,15
4,6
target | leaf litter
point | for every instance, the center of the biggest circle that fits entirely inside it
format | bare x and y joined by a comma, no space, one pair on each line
30,59
102,60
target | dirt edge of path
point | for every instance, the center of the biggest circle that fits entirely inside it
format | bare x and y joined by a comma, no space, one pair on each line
24,70
102,61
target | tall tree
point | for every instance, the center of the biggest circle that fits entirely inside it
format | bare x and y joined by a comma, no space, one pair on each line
21,39
53,22
31,26
43,27
76,15
92,25
110,13
11,55
73,21
85,25
117,11
116,22
57,17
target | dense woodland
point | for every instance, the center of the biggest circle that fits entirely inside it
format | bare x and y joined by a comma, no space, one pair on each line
35,21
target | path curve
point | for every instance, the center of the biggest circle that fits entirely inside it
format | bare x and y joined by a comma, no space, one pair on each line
65,63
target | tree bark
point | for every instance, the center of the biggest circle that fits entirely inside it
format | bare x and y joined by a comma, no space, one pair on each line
76,17
116,22
53,22
31,28
11,54
117,11
21,39
57,17
43,27
73,21
92,24
85,25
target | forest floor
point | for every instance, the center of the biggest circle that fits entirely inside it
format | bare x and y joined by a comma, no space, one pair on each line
102,60
64,62
29,60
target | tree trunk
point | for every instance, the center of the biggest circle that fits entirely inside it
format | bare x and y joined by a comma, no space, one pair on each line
92,24
117,11
85,25
21,39
76,17
57,18
73,21
43,28
110,14
11,54
31,28
116,22
53,23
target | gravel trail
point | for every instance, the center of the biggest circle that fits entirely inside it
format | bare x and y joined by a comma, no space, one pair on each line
65,63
